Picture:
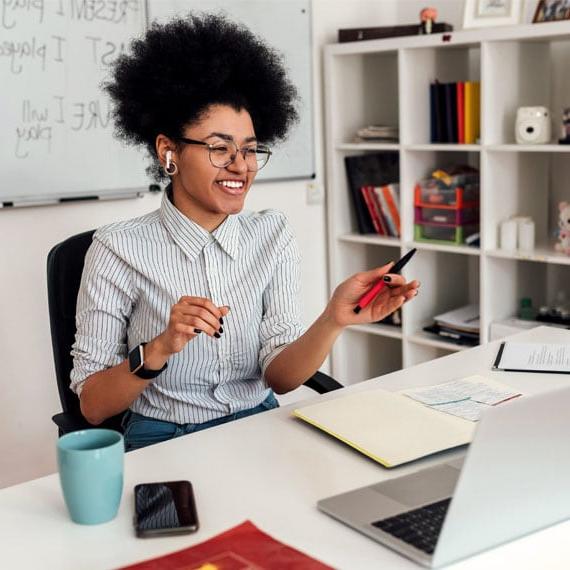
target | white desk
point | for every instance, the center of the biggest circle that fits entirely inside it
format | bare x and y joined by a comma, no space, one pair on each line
271,469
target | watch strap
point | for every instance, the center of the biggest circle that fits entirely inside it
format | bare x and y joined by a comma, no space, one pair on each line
146,373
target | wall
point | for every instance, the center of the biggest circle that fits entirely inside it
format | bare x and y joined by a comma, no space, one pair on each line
27,383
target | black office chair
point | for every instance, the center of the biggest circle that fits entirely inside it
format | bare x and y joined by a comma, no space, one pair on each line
64,269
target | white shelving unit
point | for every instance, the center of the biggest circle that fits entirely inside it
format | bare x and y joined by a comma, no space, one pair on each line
387,82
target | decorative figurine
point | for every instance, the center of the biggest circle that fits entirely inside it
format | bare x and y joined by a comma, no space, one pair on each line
427,17
565,129
564,228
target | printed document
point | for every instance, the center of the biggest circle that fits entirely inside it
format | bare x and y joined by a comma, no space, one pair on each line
533,357
467,398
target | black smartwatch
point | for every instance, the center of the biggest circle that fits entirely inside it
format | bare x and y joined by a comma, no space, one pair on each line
136,364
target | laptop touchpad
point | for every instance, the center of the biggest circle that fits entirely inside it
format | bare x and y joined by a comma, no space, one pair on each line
425,486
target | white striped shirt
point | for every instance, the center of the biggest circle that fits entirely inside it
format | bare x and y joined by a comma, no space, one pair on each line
136,270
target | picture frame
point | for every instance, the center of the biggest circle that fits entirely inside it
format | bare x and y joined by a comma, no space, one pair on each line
551,11
487,13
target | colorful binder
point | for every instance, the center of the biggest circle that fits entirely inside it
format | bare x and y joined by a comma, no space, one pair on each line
461,112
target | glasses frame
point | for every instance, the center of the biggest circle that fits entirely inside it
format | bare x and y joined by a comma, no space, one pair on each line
263,149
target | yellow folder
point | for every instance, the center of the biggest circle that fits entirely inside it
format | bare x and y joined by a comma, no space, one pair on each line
472,95
388,427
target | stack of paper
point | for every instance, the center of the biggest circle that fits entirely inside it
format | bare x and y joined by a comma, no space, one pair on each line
378,133
460,325
465,319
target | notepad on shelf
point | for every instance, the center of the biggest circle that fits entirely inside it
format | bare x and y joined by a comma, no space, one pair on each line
533,357
388,427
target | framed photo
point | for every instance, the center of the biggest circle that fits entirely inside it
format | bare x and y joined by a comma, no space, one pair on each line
551,11
486,13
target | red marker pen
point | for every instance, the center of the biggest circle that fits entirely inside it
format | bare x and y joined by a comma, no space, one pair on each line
370,295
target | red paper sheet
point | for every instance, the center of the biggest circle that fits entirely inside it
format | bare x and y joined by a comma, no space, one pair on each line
243,547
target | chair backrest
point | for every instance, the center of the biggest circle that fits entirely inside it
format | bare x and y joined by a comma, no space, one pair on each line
64,268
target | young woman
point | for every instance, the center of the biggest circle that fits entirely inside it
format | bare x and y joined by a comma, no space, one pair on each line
188,317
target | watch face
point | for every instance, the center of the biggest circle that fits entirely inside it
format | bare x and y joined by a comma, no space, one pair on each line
136,358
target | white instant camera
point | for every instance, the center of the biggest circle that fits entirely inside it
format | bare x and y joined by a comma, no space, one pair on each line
533,125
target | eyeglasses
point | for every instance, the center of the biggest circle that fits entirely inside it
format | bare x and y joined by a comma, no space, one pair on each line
223,153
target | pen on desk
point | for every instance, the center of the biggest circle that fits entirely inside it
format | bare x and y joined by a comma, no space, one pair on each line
370,295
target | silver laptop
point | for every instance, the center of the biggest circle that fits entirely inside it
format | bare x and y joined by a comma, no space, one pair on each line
514,480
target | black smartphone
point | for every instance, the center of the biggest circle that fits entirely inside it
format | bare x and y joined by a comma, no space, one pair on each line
165,508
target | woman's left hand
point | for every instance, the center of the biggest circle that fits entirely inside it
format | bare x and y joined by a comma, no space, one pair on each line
395,293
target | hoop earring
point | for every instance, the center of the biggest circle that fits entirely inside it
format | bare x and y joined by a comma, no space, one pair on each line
170,168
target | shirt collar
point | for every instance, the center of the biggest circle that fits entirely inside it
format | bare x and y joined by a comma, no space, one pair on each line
227,234
191,237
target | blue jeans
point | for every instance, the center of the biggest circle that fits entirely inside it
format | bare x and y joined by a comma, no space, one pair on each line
140,431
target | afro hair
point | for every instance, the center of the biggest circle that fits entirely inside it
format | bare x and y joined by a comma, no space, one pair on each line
179,69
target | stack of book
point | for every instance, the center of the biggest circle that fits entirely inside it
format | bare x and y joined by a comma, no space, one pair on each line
383,207
377,133
454,112
460,326
374,190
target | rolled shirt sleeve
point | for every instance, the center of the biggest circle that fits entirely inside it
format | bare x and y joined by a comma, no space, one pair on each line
281,322
104,304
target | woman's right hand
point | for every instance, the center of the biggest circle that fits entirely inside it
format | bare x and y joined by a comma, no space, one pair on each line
190,317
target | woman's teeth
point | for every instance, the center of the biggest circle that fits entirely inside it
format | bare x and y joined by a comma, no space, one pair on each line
232,185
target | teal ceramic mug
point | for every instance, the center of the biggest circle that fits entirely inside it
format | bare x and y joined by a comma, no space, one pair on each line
90,466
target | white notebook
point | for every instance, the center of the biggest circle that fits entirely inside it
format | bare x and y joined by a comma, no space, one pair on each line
388,427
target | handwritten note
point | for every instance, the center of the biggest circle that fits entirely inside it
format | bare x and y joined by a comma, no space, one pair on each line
467,398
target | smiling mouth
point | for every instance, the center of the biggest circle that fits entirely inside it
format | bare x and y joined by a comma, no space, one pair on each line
233,187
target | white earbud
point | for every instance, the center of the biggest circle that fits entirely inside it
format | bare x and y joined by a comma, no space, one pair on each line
170,167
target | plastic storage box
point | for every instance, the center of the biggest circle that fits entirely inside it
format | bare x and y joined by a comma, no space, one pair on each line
446,234
463,192
456,217
446,210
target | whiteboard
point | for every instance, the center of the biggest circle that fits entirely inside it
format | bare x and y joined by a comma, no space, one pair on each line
57,133
286,26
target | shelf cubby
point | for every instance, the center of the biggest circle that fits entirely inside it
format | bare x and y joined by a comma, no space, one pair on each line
448,281
523,72
515,279
344,217
420,68
369,95
416,165
524,184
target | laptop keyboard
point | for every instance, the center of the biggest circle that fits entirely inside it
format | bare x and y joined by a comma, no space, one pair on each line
420,527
